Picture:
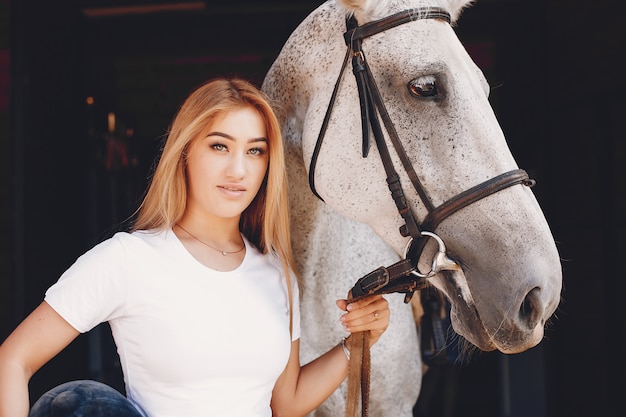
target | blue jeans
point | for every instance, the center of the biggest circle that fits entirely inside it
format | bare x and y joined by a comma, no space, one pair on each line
83,399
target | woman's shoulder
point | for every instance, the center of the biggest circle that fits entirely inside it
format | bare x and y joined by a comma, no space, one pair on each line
270,259
254,254
133,240
150,237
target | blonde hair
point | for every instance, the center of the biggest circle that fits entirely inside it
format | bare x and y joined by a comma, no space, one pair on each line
265,223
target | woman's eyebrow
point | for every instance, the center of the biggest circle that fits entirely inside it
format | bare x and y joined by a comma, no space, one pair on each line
229,137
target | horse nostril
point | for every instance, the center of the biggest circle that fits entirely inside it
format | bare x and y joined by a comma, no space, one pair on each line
530,310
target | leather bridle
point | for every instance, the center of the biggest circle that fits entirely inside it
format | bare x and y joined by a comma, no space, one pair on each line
383,280
403,276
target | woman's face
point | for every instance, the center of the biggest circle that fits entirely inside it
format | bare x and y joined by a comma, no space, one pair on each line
226,164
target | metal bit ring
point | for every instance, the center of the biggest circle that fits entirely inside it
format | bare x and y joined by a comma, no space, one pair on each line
441,261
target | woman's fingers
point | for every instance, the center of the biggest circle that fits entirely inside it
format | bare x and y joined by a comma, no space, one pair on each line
370,313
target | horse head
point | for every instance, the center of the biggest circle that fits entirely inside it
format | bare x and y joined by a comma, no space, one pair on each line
509,277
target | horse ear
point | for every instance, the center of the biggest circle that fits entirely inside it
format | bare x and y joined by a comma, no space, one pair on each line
456,7
354,5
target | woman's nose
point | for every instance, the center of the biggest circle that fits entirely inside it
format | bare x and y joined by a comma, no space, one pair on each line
237,166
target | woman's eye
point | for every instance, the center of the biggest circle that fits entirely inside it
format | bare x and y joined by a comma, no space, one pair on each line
257,151
424,87
219,147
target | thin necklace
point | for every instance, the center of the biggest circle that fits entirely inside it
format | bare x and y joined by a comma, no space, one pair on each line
223,252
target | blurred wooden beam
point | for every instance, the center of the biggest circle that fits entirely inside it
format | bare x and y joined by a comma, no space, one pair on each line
96,12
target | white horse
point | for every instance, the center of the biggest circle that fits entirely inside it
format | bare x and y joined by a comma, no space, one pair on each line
510,278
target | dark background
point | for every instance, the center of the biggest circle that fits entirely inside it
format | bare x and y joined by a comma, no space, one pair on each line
557,69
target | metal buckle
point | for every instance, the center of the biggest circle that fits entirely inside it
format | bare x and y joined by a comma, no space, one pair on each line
385,275
441,261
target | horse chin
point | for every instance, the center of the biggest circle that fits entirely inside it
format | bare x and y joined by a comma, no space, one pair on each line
475,333
466,320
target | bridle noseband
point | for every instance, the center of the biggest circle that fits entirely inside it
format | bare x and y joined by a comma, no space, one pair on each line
403,276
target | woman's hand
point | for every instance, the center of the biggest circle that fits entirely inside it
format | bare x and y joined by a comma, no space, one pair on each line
368,314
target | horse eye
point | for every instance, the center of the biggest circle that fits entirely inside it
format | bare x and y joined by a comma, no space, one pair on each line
423,87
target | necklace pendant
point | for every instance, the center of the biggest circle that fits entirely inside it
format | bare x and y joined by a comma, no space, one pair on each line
224,253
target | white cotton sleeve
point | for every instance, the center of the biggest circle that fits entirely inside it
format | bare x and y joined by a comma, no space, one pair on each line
93,290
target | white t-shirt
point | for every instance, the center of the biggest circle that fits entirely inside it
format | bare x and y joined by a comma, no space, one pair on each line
193,342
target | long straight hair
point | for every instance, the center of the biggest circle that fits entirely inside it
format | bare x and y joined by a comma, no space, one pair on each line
265,222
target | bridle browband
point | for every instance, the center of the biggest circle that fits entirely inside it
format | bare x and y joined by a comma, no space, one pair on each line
403,276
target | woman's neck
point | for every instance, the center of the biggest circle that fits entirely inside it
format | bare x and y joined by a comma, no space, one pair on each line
220,246
214,233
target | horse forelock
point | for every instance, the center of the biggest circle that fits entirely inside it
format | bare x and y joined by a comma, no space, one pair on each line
378,9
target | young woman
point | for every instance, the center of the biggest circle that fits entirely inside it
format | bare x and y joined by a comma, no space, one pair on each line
200,295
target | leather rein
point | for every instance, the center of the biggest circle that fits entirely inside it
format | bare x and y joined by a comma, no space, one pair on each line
404,275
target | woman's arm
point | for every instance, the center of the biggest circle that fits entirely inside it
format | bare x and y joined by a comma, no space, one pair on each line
299,390
42,335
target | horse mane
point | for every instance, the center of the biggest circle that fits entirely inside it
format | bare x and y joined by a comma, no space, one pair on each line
377,9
